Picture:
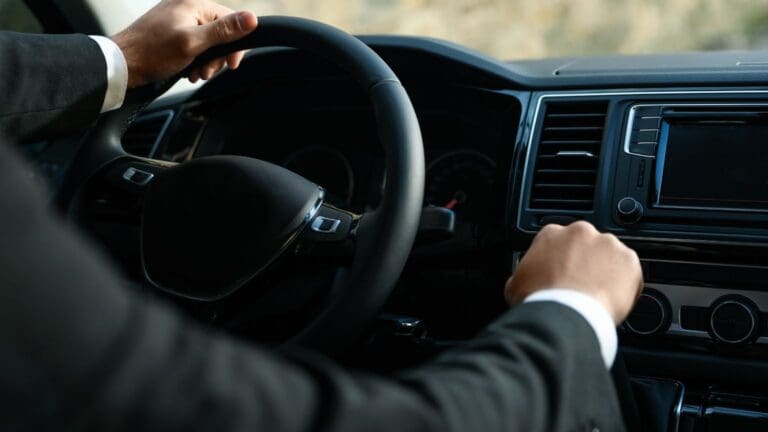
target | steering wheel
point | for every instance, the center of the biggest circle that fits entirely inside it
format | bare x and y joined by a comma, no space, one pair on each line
211,225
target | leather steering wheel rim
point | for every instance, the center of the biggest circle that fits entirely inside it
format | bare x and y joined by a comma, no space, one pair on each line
386,235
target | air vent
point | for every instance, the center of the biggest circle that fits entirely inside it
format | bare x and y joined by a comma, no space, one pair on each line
568,156
142,138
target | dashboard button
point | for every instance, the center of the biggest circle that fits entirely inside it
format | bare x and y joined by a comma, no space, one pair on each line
629,210
643,148
646,123
137,176
648,111
646,135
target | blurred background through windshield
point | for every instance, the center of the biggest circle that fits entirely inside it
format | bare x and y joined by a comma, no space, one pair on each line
510,29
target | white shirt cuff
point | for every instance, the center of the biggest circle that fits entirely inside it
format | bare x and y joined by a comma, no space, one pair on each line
593,312
117,73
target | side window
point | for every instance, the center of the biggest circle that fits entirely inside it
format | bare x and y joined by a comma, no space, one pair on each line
16,16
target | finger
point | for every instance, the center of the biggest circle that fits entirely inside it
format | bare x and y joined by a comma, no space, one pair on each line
546,232
234,59
212,68
508,297
225,30
211,11
583,227
194,76
552,228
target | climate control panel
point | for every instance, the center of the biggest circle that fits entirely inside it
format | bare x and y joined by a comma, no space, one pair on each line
725,316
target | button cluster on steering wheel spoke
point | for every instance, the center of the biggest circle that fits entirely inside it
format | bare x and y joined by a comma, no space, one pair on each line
330,224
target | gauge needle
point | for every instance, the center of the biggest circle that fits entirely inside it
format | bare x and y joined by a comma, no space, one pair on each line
458,198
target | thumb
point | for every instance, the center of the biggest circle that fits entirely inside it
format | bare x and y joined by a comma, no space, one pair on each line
227,29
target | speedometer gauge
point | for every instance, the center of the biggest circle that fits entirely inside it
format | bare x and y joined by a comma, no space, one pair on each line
462,181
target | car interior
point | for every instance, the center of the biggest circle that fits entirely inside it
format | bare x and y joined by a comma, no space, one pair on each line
663,150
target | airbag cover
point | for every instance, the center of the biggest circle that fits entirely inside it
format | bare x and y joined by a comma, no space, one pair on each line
212,224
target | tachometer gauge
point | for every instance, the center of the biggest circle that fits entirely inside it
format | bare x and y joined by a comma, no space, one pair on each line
328,168
463,182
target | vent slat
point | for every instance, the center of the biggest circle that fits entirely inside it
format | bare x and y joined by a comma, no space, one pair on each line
566,154
564,186
573,128
570,171
564,202
146,132
565,172
571,142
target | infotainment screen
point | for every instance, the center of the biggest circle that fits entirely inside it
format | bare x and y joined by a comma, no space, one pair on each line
713,165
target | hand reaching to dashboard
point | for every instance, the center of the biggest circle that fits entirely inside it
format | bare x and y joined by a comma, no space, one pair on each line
580,258
171,35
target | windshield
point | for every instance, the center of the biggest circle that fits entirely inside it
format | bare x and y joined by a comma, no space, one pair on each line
509,29
514,29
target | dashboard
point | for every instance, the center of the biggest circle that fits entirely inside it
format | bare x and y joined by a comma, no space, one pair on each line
678,174
666,152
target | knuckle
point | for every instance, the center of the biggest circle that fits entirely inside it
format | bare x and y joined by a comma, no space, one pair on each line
509,289
630,255
582,228
549,230
224,29
633,257
186,44
613,240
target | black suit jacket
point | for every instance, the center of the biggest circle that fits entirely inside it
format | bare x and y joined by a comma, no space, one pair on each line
78,352
49,84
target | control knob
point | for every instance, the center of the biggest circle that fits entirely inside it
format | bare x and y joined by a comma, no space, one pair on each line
734,320
629,210
652,314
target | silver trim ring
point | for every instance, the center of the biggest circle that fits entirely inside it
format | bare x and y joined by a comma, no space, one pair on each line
661,322
751,319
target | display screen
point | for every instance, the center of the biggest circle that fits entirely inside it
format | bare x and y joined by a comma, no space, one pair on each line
713,165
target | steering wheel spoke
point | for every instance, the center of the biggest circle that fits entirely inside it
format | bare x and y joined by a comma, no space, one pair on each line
116,191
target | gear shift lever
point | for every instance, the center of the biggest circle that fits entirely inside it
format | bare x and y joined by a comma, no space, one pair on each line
647,404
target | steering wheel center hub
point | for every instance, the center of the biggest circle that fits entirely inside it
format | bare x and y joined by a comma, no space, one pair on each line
211,225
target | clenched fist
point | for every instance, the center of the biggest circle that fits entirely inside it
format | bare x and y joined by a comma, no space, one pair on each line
580,258
167,39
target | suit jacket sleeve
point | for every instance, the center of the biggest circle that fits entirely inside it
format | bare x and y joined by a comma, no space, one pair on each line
78,352
49,84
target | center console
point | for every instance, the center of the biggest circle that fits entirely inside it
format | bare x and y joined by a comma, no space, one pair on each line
697,171
682,177
686,171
